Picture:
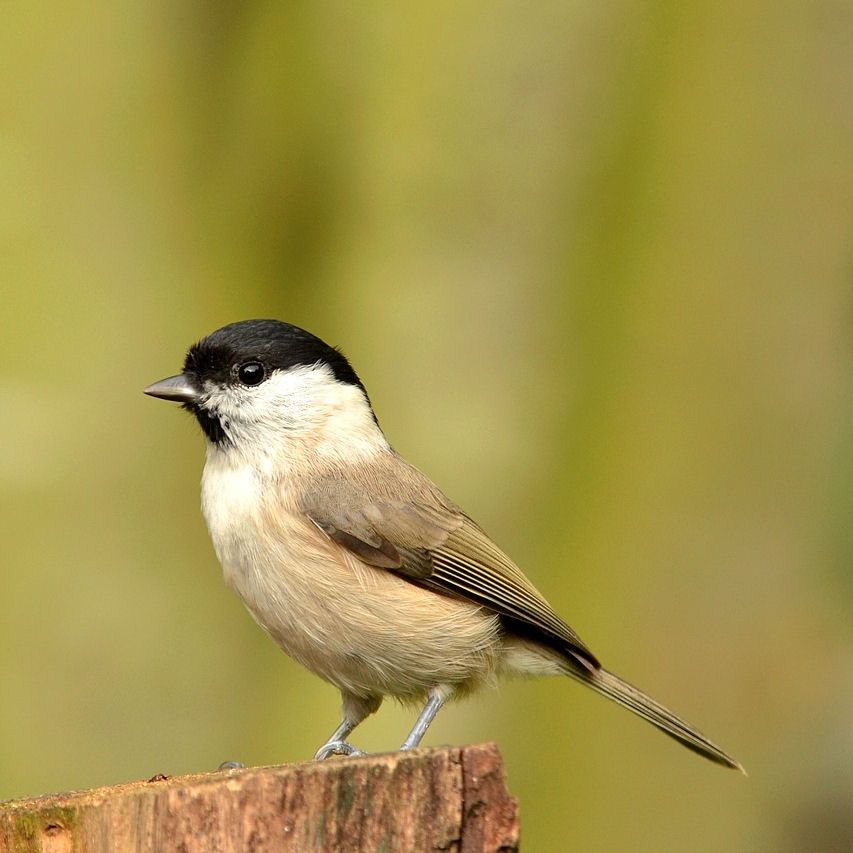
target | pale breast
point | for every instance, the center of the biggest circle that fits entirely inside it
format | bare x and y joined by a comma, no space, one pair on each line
362,628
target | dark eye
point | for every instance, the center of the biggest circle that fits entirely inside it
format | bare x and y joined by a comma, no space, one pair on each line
251,373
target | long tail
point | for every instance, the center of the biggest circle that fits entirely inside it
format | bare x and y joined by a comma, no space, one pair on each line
630,697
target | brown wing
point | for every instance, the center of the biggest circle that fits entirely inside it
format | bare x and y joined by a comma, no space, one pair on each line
429,541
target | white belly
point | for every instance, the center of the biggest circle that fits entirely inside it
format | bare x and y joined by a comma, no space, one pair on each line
363,629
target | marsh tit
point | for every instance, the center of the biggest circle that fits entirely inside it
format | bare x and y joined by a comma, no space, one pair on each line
351,559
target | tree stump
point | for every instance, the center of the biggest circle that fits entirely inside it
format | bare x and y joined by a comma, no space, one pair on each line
449,799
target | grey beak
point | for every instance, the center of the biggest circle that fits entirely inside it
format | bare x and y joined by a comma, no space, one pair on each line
181,388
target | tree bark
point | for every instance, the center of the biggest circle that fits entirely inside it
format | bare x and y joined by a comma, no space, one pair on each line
449,799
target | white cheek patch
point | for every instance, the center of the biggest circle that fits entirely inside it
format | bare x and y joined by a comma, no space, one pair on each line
283,397
305,402
293,399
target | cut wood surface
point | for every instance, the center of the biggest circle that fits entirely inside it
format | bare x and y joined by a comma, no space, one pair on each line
451,799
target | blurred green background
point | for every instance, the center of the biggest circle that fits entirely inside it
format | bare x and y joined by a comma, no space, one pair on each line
592,260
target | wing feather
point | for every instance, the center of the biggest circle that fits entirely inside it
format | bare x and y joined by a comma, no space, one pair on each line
422,536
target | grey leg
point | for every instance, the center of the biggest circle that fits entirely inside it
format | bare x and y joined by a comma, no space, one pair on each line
336,744
437,697
355,710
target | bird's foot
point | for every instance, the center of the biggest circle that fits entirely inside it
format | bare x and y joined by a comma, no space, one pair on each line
336,747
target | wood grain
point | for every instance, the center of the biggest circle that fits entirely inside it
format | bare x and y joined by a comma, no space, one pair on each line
448,799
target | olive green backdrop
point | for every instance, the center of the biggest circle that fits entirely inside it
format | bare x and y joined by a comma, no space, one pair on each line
592,260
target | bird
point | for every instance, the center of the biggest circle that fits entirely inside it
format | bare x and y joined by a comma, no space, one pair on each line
353,561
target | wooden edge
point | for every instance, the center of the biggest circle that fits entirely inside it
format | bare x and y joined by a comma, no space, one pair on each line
450,798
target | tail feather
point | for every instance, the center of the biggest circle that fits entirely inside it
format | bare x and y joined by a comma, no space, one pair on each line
613,687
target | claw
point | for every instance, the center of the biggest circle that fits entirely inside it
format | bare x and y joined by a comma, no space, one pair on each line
336,747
